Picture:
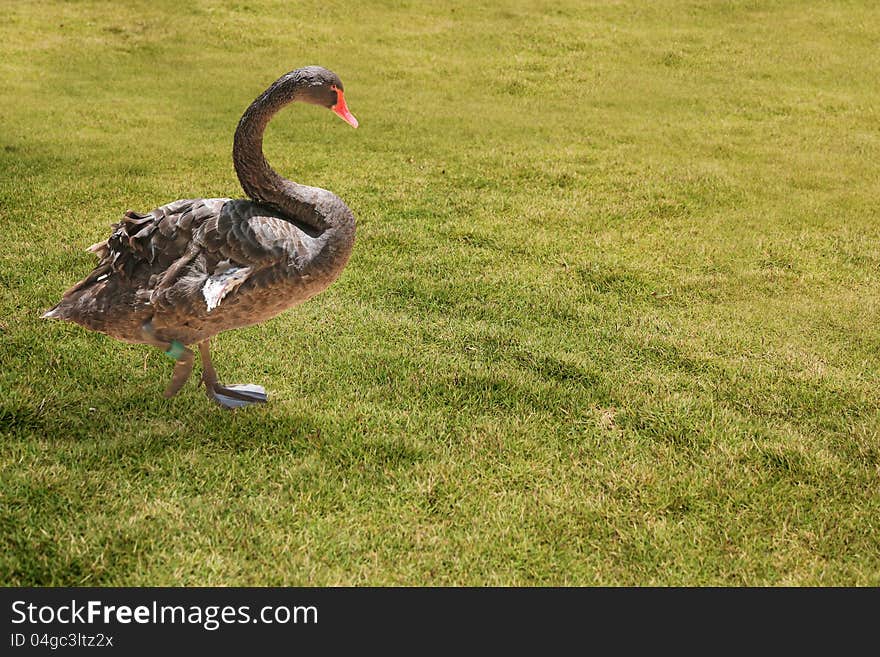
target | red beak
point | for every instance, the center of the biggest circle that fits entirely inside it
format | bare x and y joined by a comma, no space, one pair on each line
341,109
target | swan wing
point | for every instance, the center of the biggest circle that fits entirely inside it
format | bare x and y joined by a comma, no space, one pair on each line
196,252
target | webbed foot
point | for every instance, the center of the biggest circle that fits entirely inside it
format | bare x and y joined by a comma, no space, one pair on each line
228,396
236,396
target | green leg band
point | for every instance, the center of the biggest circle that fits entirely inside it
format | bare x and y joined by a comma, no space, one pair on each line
176,350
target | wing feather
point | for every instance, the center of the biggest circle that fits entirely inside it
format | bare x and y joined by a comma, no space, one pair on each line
196,252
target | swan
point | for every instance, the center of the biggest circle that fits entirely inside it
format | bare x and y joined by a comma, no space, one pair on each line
186,271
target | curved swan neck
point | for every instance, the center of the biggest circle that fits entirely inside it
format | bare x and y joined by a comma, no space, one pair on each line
258,180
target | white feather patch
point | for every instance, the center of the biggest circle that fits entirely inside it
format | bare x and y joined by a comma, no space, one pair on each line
222,283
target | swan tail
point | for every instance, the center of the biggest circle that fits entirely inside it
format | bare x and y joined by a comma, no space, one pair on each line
100,249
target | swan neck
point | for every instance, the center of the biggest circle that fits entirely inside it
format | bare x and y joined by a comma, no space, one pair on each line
258,179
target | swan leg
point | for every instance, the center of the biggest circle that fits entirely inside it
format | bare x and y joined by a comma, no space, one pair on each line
183,357
182,369
234,396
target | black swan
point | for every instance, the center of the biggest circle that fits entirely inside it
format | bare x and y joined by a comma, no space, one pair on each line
191,269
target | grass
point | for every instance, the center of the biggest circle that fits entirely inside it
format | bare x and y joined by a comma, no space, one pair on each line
611,318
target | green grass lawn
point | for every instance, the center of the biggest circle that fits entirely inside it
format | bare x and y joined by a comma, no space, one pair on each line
611,316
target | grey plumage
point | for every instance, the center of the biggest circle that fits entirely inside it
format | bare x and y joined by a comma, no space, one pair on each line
257,257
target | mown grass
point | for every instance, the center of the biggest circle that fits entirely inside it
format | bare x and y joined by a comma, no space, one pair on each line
611,318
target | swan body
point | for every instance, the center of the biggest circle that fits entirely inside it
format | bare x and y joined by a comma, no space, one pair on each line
186,271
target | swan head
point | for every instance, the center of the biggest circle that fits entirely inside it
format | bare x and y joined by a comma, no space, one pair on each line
323,87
